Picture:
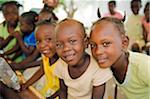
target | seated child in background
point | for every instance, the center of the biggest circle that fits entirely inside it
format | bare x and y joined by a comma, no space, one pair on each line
112,11
134,25
46,45
146,27
80,76
109,47
27,41
10,11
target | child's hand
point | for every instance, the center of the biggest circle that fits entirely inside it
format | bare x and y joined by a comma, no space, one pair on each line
16,34
23,87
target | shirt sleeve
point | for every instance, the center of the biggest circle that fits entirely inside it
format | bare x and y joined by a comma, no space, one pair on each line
148,72
101,76
144,69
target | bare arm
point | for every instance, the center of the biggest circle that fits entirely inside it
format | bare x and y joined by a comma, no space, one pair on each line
30,61
12,50
31,58
98,92
27,50
34,78
63,90
144,33
54,95
17,54
6,41
17,66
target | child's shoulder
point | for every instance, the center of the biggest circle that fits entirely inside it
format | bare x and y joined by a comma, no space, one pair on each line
139,60
139,56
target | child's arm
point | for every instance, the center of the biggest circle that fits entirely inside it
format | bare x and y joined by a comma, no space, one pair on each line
63,90
56,94
12,50
5,42
7,92
17,54
25,49
31,58
17,66
33,79
32,64
98,92
144,33
1,42
30,61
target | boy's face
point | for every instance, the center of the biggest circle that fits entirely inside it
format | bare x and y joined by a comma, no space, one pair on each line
45,40
25,26
11,14
70,44
106,44
111,7
135,7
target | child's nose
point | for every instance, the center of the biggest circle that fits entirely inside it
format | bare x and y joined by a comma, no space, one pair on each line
99,50
66,47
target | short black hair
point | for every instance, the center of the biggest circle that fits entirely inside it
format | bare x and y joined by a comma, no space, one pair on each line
112,1
81,25
30,16
116,22
136,1
47,9
46,22
10,3
147,6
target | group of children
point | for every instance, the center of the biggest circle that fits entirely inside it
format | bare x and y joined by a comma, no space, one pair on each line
73,73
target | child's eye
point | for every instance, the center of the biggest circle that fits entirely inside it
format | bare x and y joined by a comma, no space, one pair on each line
73,41
59,45
106,44
93,45
48,39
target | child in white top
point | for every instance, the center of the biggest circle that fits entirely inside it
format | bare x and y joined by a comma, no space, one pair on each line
80,75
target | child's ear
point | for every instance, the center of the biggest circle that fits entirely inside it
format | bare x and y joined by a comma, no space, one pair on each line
125,41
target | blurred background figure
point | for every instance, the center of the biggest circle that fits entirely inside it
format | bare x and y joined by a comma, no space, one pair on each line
112,11
134,25
146,27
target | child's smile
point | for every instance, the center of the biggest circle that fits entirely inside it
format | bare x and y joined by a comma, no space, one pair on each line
102,59
69,56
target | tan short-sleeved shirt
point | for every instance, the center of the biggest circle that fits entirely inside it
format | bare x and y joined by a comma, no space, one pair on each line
81,88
